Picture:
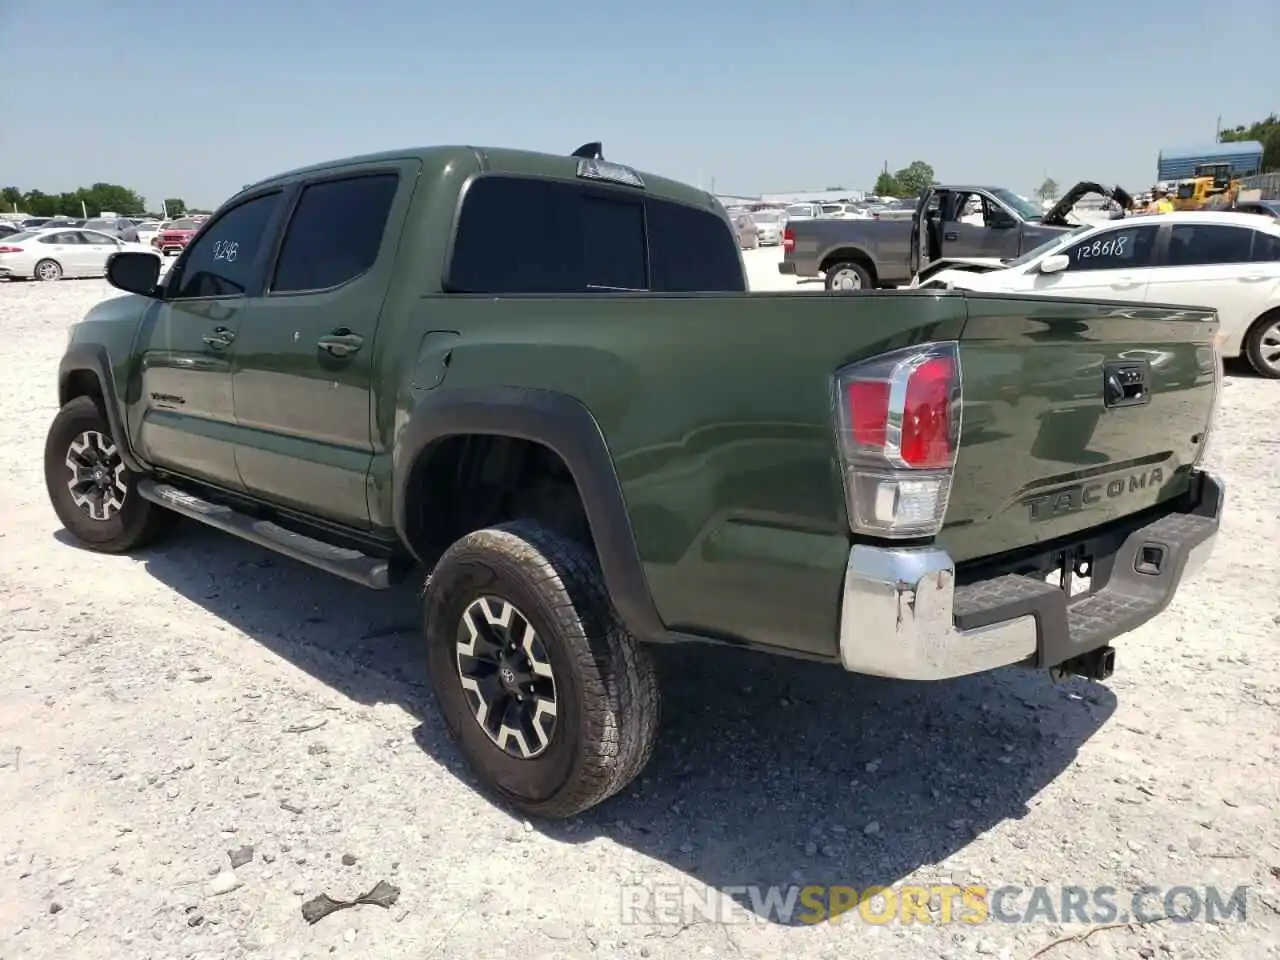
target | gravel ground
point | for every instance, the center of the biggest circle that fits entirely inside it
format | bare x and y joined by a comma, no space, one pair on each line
160,710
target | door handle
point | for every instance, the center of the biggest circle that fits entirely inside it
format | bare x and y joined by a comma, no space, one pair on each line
1253,278
1125,284
221,337
951,235
341,343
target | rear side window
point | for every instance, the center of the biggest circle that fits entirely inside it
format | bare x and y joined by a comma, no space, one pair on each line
692,251
520,235
1195,245
220,261
335,232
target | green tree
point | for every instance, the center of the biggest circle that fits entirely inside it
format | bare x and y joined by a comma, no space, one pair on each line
175,206
886,185
915,178
1266,132
93,200
11,197
1048,190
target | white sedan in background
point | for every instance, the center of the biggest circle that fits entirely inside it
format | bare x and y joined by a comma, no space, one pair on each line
58,253
1224,260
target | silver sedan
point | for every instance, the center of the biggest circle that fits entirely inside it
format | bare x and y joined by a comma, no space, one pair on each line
55,254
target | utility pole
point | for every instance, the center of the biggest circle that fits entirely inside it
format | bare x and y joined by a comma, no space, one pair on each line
1217,133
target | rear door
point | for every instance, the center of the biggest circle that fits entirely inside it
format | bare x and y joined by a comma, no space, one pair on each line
304,352
1112,264
67,249
1210,265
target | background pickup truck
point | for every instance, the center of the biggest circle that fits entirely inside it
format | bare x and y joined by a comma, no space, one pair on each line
954,221
606,442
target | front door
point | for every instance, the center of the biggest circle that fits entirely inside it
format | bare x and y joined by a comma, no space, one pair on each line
305,354
1109,265
184,417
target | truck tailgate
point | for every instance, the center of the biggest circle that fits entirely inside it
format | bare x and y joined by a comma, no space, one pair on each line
1075,414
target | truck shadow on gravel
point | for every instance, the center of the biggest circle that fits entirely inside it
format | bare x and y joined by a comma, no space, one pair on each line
768,771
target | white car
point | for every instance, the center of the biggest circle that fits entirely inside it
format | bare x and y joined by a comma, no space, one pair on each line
58,253
768,227
1227,261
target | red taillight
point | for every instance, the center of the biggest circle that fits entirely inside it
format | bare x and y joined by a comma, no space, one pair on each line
926,420
788,240
898,417
10,249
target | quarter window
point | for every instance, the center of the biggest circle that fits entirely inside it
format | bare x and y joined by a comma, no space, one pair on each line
1113,250
219,262
1266,247
335,232
1205,244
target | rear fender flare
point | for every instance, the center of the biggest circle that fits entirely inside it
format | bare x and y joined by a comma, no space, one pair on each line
566,427
93,358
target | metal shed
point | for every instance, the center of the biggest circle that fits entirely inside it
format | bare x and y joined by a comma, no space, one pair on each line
1245,157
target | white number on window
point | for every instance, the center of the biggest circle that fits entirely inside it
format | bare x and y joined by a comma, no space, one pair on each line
226,250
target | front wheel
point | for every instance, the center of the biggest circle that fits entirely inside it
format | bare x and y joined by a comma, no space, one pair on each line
92,491
552,702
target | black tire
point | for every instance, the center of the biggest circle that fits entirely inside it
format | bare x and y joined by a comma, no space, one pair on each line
1264,335
47,270
606,690
135,523
863,275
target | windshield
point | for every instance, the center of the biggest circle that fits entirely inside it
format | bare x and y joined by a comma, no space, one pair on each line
1045,247
799,210
1023,208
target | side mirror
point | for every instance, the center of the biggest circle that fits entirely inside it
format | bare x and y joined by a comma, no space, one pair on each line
1055,264
134,272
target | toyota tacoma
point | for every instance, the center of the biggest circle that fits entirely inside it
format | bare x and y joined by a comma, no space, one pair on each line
597,440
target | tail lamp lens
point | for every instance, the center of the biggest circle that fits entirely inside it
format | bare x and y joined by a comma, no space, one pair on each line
898,417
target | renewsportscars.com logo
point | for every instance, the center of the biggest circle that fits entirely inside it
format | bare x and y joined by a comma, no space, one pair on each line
679,904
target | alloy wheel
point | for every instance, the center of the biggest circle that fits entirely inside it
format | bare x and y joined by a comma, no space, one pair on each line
97,481
1269,347
507,678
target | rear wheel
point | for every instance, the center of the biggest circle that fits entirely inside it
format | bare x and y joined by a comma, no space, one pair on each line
848,276
551,701
48,270
1262,345
93,493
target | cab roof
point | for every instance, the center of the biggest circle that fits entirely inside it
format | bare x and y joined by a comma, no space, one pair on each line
497,160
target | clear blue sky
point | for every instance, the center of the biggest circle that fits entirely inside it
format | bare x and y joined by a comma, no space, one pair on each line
196,99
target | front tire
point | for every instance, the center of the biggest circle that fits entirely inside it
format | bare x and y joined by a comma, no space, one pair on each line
552,702
93,493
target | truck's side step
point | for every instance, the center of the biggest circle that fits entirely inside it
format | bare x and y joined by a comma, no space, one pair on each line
349,564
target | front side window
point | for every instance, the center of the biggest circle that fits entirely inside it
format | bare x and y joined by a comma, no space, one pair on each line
220,261
1206,244
93,237
1113,249
335,232
519,235
62,239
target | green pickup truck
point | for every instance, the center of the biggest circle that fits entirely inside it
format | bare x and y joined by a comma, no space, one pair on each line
540,381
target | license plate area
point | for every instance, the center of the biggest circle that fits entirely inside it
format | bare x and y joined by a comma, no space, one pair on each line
1073,573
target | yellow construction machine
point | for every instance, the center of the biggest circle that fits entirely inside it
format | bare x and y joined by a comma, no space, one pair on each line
1211,188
